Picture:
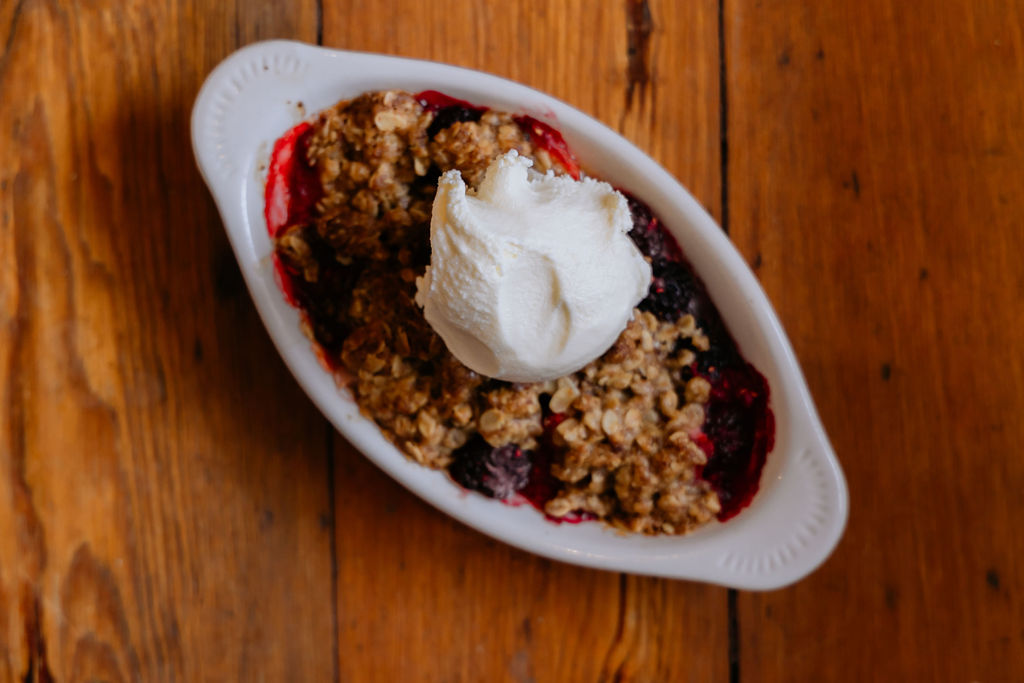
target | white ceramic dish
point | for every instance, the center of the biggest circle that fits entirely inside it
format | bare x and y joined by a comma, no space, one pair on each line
797,517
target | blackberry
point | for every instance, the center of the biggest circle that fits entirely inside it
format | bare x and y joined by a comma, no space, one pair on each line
651,243
720,356
741,427
650,237
640,212
450,115
673,293
730,428
495,472
732,431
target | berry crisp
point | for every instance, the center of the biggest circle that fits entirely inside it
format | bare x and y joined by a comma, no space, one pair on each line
668,430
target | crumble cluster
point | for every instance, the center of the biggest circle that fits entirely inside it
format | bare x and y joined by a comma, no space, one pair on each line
624,447
631,419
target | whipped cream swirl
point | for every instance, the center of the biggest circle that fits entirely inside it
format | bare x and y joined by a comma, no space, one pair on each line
532,276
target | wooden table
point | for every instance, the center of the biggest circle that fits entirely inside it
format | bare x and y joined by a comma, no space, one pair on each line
172,507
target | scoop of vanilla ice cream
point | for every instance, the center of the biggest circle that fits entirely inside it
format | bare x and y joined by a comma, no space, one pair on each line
533,276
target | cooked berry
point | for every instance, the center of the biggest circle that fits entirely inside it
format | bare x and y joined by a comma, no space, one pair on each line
541,485
641,213
729,427
451,115
718,358
326,297
673,292
741,428
552,421
432,100
496,472
650,237
550,140
651,243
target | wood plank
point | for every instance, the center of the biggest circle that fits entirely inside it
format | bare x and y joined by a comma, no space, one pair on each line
161,516
455,605
876,160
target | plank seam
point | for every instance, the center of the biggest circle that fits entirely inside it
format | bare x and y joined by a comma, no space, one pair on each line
723,132
319,22
723,119
335,647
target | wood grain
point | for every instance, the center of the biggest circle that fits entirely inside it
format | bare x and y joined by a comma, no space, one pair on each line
875,168
161,519
172,507
410,580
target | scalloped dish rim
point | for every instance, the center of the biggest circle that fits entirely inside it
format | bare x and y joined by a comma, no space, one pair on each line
797,517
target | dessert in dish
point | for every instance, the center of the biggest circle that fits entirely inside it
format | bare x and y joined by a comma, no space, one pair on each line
663,431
